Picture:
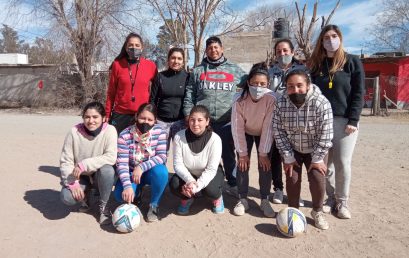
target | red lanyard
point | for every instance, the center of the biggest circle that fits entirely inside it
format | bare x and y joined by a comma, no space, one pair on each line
133,79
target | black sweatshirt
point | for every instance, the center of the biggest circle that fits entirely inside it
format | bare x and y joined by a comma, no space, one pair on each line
348,88
167,94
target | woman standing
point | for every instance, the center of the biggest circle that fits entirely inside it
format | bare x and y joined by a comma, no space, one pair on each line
87,157
340,77
285,62
196,159
168,92
251,121
129,82
141,159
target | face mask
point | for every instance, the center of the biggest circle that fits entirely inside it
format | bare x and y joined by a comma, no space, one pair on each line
284,60
134,53
332,45
297,98
258,92
144,127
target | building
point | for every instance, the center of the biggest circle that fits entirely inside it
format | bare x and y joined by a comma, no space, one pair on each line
393,72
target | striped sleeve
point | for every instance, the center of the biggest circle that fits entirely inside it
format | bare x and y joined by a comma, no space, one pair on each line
280,135
122,162
325,133
158,143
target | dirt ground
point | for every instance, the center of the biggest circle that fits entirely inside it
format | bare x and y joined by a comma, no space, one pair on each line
34,223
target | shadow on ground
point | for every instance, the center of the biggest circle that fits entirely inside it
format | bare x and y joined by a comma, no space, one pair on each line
47,201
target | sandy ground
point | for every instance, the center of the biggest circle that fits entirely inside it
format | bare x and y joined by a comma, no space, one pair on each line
35,224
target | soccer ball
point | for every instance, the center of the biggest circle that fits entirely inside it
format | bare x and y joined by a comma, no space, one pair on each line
126,218
291,222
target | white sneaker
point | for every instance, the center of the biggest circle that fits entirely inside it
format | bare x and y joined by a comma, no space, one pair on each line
241,207
301,202
267,209
319,220
342,210
329,205
278,196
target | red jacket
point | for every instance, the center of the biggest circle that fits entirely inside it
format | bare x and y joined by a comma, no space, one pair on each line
119,95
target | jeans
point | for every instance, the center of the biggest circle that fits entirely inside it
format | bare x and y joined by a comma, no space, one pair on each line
213,190
171,129
264,177
339,161
156,177
105,177
315,179
228,155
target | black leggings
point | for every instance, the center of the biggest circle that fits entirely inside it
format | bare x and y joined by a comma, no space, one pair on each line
276,168
213,190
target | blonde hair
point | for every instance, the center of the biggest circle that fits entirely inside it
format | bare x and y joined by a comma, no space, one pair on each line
319,53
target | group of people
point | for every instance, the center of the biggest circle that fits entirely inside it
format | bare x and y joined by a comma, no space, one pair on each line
296,115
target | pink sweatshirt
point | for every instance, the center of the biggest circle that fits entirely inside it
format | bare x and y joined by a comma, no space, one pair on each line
253,118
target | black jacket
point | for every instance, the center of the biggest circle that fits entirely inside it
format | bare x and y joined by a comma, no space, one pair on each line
167,93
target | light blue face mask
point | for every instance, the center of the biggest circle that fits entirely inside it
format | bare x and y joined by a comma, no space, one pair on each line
284,60
258,92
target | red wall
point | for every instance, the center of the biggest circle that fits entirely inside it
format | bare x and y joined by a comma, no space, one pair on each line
403,84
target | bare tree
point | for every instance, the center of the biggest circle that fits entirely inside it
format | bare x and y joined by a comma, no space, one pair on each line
305,30
391,30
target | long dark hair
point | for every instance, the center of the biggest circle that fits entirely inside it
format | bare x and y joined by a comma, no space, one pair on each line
123,53
259,68
301,72
203,110
94,105
147,107
285,40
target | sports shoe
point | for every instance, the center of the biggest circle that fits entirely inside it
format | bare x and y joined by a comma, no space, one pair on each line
104,215
319,220
342,210
184,206
218,205
301,202
278,196
152,215
329,205
267,209
241,207
231,190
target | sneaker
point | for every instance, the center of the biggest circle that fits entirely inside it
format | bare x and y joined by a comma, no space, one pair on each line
319,220
184,206
105,215
267,209
231,190
241,207
329,205
301,202
152,215
342,210
278,196
218,205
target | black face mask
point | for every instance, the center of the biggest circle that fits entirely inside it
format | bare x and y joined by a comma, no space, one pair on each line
297,98
134,53
144,127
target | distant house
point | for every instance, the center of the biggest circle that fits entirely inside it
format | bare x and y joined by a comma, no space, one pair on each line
393,72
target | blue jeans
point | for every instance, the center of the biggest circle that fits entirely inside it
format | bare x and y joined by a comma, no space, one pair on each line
228,154
156,177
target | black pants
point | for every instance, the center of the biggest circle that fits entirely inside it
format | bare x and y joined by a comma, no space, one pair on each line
121,121
228,154
264,177
276,168
213,190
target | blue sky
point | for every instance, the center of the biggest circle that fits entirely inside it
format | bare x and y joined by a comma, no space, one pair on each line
353,17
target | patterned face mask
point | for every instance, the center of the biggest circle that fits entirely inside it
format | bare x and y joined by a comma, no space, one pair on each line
258,92
134,53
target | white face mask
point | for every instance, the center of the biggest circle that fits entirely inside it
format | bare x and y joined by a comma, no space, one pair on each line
258,92
284,60
332,45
